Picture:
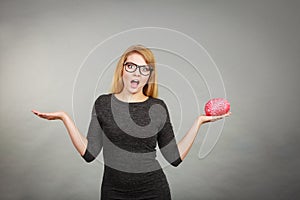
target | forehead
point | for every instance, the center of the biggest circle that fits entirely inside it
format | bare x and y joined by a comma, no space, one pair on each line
136,58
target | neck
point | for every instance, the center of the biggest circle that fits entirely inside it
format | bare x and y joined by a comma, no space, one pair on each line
131,97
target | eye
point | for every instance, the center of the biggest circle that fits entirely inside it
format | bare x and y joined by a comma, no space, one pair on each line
130,66
145,69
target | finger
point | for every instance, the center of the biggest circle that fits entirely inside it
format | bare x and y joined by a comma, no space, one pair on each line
215,118
35,111
43,115
227,114
222,116
38,113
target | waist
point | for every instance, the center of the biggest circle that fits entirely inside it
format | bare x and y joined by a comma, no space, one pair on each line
127,180
131,162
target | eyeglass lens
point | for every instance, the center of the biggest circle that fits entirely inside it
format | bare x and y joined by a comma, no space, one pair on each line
131,67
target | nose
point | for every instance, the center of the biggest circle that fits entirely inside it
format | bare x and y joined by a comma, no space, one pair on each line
137,72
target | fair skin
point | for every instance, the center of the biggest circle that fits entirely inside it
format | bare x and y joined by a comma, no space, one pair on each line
130,93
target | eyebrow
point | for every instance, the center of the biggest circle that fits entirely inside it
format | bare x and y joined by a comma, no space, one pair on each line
134,63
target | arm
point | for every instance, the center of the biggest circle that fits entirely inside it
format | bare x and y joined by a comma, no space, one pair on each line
187,141
78,140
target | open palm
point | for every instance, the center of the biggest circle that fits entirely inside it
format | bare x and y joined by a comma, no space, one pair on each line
205,118
49,116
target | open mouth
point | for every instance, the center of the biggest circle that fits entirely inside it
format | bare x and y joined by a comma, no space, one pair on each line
134,83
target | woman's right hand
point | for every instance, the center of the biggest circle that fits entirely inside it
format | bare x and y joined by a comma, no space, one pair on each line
79,141
50,116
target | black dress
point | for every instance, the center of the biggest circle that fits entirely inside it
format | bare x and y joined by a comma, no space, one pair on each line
128,134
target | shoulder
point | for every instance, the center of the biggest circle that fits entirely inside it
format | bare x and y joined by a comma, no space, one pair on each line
101,104
103,98
158,101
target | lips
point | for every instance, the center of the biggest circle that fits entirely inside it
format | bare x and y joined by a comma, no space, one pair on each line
134,83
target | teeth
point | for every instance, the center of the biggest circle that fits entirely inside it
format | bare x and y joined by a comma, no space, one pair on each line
137,81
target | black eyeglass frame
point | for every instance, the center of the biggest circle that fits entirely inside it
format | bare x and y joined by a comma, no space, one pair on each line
138,66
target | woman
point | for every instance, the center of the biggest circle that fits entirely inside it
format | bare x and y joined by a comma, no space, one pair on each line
127,124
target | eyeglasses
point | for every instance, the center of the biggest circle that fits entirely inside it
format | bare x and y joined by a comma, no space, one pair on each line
144,69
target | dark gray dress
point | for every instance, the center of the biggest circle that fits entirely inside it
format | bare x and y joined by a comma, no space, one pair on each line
129,134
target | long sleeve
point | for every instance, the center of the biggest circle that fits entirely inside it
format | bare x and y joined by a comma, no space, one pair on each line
94,138
167,142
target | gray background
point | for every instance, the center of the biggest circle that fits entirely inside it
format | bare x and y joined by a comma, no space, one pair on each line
254,43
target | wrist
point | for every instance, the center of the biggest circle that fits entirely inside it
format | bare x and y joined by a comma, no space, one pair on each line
63,116
200,120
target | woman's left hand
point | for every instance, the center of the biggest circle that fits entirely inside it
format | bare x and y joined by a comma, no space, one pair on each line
204,119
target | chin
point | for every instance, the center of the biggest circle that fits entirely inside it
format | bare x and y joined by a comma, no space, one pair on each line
133,91
136,91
